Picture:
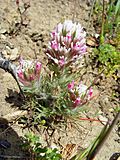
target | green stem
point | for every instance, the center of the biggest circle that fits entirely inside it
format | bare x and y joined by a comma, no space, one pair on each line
103,24
103,137
96,145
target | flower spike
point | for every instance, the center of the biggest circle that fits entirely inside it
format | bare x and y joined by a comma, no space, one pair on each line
67,44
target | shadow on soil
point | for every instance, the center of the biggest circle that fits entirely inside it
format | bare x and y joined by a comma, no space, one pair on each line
14,98
10,143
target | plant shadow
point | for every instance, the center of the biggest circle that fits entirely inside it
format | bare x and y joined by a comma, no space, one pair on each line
15,98
10,143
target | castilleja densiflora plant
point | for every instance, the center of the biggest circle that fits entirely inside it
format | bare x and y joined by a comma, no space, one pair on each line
67,44
66,47
59,94
28,72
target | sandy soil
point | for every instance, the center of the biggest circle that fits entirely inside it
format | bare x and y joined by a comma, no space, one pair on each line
30,40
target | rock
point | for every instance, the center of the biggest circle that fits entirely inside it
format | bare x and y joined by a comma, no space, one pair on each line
14,115
91,41
4,53
2,31
8,50
14,54
3,37
11,54
111,110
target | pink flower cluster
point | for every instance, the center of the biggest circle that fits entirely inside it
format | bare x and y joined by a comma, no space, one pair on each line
67,44
28,72
79,94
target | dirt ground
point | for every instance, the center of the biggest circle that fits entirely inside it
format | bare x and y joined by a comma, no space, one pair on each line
30,40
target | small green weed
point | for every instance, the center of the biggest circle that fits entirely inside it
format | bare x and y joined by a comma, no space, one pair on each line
109,58
108,53
32,143
110,18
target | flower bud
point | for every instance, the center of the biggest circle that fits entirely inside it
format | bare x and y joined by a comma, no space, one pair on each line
79,94
28,72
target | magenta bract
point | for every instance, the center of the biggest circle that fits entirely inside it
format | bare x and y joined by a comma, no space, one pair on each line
67,44
28,72
79,94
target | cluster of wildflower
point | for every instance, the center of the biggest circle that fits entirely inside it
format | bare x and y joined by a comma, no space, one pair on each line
67,44
66,47
79,94
28,72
